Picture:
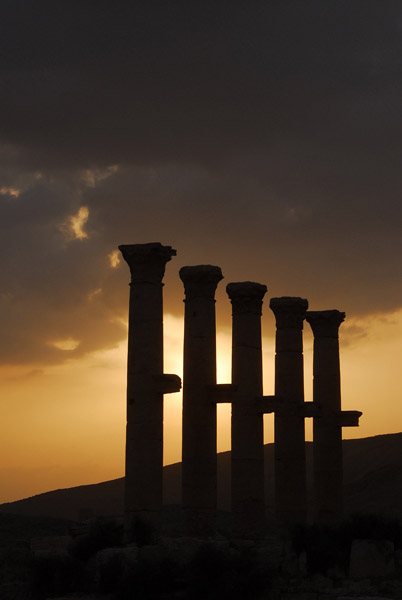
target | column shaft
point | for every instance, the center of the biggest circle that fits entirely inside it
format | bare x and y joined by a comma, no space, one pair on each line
290,458
199,462
327,430
247,491
144,434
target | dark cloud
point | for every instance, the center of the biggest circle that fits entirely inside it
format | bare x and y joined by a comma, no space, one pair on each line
180,81
263,137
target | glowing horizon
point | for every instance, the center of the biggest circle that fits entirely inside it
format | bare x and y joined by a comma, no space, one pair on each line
66,423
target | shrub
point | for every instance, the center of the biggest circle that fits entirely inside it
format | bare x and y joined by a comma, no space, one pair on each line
111,574
103,533
325,547
149,579
212,573
55,575
374,527
215,574
329,546
142,532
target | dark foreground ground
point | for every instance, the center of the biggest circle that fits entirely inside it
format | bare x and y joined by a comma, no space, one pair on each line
39,559
42,558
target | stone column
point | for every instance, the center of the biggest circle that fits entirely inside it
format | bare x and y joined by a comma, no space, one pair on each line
146,383
290,458
327,429
248,507
199,462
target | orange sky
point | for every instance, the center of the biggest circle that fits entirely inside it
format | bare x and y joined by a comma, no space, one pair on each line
64,425
260,137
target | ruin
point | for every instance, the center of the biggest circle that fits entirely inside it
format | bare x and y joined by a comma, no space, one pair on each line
247,458
146,385
199,471
329,418
290,457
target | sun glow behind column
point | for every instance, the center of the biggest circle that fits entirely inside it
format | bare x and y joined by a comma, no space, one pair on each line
224,375
173,363
65,425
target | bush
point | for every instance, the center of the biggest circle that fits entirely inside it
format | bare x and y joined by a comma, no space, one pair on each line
55,575
111,574
215,574
103,533
329,546
212,573
142,532
374,527
149,579
14,572
324,546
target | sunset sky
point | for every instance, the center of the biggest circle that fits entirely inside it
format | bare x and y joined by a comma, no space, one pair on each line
262,136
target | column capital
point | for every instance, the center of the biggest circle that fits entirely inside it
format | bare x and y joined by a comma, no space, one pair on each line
289,311
325,323
200,281
147,261
246,296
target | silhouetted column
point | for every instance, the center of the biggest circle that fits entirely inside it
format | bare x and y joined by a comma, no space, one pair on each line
248,507
199,463
146,383
327,429
290,458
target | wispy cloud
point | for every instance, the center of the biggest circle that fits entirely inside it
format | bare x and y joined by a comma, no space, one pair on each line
9,191
94,293
68,344
92,177
114,259
77,223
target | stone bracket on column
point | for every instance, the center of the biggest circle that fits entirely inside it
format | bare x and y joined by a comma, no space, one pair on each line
349,418
222,392
269,404
274,404
166,383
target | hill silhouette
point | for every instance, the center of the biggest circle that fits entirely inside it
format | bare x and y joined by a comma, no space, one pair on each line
372,484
